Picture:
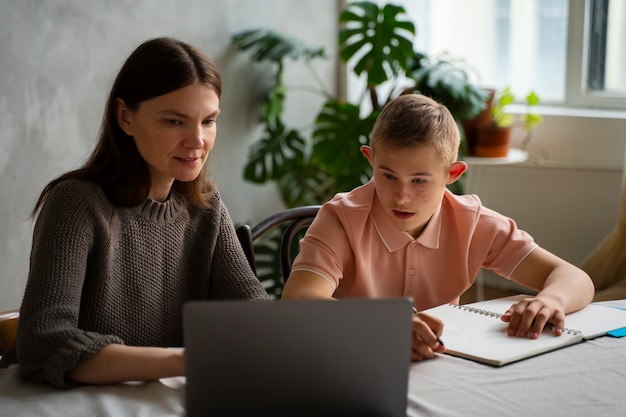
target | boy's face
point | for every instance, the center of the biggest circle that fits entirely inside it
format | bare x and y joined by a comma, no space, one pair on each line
410,183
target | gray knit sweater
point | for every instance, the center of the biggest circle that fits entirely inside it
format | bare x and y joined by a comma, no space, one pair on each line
102,274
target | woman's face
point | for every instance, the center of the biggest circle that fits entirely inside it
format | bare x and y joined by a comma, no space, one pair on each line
174,134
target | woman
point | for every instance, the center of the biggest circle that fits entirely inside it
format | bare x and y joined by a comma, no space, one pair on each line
122,243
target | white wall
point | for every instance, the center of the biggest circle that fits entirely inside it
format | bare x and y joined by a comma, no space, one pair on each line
57,59
569,202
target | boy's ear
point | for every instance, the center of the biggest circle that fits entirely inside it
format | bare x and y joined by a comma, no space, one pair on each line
122,114
456,170
367,151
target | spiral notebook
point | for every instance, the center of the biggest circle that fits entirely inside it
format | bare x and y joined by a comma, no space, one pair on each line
475,331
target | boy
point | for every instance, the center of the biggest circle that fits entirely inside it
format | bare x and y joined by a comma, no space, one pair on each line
404,234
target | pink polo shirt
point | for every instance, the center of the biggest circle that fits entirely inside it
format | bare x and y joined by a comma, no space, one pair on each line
358,250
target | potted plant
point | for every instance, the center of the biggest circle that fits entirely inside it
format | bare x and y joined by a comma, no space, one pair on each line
493,139
376,44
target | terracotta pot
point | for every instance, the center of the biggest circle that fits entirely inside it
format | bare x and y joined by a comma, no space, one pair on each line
493,142
471,126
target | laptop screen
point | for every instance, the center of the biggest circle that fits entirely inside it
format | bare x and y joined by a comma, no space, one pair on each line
298,358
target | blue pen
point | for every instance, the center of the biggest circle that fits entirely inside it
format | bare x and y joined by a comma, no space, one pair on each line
438,338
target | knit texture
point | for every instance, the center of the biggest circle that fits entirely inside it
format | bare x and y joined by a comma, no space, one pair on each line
102,274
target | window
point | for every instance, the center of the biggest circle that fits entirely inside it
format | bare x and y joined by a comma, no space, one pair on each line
598,76
570,52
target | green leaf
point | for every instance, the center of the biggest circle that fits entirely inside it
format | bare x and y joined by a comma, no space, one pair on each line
267,258
274,154
268,45
305,185
448,82
531,121
382,41
532,99
500,117
338,135
273,106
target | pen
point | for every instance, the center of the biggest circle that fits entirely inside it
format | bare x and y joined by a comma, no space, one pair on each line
438,338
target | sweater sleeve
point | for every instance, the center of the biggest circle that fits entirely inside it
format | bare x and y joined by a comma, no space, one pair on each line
231,275
49,342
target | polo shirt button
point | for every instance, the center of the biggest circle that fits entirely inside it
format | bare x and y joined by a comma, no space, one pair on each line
411,271
413,245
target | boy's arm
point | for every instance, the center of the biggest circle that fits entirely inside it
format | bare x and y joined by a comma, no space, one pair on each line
305,284
563,288
426,329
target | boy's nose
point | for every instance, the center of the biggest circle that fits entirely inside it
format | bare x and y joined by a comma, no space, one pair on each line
402,195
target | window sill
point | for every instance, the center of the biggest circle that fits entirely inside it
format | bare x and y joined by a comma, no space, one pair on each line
563,111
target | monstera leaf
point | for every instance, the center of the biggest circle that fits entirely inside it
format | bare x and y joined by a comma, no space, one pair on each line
272,156
306,185
271,46
447,80
338,135
272,109
386,43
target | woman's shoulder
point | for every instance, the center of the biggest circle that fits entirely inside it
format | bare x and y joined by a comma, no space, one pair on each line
77,187
216,212
76,195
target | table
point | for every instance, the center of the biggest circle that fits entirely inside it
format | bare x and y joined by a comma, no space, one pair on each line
587,379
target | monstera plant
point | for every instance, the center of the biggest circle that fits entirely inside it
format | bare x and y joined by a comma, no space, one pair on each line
376,44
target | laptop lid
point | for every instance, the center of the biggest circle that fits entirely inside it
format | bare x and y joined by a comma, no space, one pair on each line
297,358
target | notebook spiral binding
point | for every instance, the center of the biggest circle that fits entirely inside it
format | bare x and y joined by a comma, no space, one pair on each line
497,315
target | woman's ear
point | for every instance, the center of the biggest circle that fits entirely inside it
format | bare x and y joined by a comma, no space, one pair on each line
367,151
123,116
456,170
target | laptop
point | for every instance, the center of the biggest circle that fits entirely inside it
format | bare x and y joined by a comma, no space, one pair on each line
298,357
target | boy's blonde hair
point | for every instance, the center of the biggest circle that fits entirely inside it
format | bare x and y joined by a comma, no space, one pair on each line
414,119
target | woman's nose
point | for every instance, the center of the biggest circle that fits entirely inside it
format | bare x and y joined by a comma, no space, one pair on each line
195,138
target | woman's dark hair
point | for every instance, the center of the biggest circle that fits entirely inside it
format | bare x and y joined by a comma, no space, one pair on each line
157,67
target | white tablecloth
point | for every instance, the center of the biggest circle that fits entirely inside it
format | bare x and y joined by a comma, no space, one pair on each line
587,379
155,399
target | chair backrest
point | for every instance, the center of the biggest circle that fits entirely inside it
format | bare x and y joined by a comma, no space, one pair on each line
8,328
298,219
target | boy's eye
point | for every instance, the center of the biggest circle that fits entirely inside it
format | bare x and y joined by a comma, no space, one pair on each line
388,176
418,181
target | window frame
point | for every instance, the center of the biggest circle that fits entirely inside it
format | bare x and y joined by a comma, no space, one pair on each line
577,93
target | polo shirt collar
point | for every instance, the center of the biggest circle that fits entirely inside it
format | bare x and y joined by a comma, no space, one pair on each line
395,239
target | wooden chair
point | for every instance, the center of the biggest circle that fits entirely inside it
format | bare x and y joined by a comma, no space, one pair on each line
8,328
298,218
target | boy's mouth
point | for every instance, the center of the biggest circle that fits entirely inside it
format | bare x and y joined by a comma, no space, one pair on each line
402,215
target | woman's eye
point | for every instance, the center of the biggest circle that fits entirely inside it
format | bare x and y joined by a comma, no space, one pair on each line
209,122
174,122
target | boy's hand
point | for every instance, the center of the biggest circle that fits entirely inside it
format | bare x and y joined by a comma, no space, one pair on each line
426,331
529,316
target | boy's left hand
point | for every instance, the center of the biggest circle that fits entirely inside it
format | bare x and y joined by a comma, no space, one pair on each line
529,316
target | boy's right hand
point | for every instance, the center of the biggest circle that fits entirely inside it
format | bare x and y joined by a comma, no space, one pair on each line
426,330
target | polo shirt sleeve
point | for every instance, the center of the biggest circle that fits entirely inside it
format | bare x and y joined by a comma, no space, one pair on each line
503,246
325,249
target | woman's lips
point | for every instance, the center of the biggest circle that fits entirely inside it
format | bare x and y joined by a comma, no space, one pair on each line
189,161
